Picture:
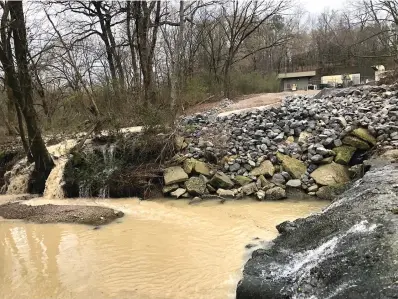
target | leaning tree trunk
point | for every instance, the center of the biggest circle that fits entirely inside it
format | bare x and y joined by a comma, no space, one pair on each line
41,157
227,79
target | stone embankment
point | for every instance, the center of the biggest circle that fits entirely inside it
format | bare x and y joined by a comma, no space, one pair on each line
308,144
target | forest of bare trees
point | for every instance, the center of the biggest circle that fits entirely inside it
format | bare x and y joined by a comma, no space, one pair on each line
71,66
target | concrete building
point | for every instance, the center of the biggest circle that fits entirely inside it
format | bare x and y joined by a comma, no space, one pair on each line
296,80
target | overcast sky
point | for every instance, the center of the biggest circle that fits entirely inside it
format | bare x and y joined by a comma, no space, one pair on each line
317,6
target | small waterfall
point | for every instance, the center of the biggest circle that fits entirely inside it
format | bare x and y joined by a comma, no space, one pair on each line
55,182
108,154
84,190
104,192
17,178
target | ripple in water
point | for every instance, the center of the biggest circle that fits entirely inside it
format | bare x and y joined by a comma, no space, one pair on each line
159,250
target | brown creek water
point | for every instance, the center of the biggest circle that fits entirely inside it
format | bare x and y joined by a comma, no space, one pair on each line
162,249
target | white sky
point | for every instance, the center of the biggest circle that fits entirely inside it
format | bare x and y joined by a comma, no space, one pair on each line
317,6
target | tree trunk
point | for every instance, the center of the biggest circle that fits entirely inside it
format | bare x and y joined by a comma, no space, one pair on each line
146,47
41,157
227,79
114,53
108,48
131,39
176,61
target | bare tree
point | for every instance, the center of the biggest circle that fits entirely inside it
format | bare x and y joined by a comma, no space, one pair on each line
147,22
240,21
19,86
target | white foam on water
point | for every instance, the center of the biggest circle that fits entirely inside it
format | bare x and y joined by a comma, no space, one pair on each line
301,263
54,182
341,288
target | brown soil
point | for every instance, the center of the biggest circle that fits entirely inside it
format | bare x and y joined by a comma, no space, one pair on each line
91,215
250,101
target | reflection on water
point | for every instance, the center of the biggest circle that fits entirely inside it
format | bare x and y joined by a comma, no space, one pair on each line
160,249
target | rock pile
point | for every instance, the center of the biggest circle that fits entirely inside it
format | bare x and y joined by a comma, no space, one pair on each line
306,143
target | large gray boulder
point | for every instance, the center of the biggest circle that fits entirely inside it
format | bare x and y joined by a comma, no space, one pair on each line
195,186
249,189
293,183
266,169
221,180
331,174
347,251
275,193
174,174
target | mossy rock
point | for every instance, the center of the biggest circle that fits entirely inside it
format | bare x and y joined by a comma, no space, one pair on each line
356,142
242,180
344,154
294,167
364,135
331,192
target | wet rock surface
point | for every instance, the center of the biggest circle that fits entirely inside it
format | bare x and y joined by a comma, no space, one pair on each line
347,251
91,215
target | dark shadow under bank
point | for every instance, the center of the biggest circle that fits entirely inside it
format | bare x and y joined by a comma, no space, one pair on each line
348,251
126,166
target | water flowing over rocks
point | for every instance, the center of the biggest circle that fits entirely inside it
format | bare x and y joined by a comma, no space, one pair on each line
347,251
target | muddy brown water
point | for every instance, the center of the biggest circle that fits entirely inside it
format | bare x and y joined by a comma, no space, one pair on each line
161,249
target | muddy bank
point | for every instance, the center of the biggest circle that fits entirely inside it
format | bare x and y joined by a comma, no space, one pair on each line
347,251
91,215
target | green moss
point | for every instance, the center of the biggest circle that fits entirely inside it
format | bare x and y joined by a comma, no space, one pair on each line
331,192
364,135
294,167
344,154
242,180
356,142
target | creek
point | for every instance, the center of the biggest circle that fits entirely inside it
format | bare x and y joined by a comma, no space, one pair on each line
161,249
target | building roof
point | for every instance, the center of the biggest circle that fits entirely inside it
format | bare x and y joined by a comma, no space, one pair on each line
296,75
